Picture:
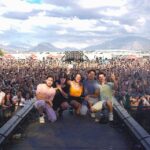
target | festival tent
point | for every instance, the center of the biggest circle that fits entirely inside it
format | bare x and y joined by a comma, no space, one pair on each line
33,56
58,56
49,56
8,56
55,56
132,57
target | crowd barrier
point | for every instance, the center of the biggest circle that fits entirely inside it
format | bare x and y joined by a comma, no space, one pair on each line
137,130
142,136
9,128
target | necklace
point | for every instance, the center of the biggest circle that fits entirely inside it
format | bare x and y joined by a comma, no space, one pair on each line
76,85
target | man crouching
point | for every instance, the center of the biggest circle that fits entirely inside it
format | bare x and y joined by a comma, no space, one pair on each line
44,96
107,90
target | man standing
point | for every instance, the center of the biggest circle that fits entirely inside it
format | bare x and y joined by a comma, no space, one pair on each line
44,95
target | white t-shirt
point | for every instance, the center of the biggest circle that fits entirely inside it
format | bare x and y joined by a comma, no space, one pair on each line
2,95
16,99
146,103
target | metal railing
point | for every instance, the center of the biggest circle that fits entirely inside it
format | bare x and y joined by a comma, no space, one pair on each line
11,125
142,136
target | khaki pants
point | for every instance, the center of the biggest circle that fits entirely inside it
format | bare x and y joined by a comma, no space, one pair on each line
100,104
93,100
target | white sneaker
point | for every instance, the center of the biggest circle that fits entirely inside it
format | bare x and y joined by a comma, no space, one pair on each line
111,117
41,119
93,115
97,120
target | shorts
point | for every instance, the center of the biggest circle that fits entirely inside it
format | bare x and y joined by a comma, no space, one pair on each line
100,104
57,103
78,99
92,100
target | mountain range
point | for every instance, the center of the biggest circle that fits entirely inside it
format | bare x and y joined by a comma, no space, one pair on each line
127,43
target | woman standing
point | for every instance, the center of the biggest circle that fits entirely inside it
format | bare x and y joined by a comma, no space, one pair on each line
8,105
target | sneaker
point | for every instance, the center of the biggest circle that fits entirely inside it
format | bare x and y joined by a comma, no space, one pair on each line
93,115
103,120
41,119
111,117
113,124
97,120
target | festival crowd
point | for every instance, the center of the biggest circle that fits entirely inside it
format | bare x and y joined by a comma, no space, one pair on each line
82,87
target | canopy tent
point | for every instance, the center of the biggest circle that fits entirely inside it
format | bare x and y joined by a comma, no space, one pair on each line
8,56
49,56
56,56
33,56
130,57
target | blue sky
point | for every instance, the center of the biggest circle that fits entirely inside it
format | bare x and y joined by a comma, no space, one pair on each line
72,23
34,1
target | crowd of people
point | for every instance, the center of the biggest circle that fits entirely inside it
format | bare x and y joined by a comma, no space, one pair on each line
92,83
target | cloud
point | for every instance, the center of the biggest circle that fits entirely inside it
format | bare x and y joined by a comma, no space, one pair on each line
64,3
130,29
119,11
62,32
70,44
141,21
20,15
101,3
16,5
74,23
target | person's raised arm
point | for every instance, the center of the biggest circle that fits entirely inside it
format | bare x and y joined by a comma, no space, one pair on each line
69,82
113,77
62,91
3,102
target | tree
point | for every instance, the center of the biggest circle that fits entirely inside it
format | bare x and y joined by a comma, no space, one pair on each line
1,52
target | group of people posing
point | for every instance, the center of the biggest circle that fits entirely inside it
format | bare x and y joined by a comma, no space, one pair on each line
83,95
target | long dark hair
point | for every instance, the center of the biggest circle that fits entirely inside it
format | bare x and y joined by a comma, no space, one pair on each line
5,98
76,75
63,75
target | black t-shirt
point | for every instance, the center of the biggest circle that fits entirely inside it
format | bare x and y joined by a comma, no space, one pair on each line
59,95
59,98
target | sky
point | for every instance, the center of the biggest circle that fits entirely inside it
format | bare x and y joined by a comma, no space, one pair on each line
72,23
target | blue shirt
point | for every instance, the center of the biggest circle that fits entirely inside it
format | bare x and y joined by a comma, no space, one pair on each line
90,87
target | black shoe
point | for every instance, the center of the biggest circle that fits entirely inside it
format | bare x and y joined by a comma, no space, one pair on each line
71,110
103,120
60,113
112,124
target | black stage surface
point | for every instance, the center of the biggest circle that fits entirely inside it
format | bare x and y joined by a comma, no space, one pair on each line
71,133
